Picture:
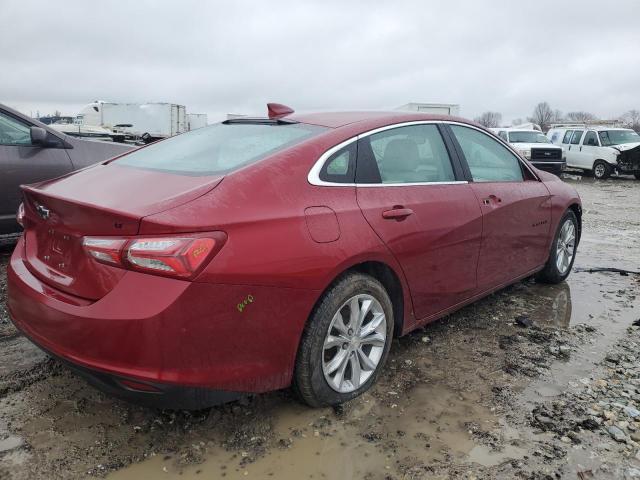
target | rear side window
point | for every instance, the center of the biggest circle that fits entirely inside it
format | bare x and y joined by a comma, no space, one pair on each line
577,135
488,159
218,149
567,136
413,154
503,135
13,132
341,166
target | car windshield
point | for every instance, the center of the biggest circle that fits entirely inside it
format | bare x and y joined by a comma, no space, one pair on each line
219,148
617,137
527,137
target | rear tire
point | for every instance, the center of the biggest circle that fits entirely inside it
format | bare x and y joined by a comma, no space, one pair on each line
601,170
331,367
563,251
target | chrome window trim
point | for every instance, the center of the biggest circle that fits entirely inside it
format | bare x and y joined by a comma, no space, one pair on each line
314,174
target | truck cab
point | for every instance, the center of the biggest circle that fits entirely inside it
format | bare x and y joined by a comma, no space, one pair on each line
600,150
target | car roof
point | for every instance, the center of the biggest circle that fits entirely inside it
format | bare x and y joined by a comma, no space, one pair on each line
342,119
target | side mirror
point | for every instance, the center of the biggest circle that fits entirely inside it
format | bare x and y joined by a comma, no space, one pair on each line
39,136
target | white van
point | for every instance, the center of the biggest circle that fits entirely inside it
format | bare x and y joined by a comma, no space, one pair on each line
535,147
601,150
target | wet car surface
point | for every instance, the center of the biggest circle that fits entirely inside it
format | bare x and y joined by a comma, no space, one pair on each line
459,399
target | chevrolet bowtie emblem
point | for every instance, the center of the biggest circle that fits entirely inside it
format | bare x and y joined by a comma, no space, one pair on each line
43,211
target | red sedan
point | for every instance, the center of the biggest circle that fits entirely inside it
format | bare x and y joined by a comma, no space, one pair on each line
260,253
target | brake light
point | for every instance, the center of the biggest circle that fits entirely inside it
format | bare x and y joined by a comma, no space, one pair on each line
20,215
105,250
173,256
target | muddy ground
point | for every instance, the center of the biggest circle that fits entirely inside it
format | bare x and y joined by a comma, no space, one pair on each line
534,382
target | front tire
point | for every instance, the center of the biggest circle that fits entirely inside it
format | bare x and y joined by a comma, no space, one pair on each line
601,170
637,175
345,343
563,251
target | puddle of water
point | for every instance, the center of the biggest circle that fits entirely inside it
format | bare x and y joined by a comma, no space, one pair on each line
487,458
428,424
606,301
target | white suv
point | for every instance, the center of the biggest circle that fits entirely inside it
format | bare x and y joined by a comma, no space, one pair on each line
535,147
601,150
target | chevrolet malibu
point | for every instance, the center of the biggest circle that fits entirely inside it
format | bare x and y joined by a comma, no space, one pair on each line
260,253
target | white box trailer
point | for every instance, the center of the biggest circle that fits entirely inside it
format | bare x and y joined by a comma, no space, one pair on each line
145,120
433,108
196,120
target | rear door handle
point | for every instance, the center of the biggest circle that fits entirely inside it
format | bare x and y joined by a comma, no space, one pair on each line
397,213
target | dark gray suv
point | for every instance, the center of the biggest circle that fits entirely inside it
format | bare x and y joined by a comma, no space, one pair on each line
31,152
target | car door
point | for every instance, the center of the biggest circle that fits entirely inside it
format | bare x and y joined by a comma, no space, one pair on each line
573,149
516,208
588,150
411,190
23,162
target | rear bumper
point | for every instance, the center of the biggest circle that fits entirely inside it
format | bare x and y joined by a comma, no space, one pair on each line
149,394
172,334
552,167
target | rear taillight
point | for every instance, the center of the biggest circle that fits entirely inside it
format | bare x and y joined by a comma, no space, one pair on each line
174,256
20,215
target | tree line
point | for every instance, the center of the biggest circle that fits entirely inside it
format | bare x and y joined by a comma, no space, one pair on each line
544,116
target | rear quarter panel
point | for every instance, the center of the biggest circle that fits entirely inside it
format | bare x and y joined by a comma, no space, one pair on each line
563,196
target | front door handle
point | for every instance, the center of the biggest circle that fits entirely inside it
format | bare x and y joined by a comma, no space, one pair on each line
397,213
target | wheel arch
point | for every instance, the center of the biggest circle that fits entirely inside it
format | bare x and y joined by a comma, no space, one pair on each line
577,210
390,280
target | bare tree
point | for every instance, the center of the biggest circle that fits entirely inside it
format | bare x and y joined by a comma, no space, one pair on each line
557,116
489,119
581,117
631,119
542,115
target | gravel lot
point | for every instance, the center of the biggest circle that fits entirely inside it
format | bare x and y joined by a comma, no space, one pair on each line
534,382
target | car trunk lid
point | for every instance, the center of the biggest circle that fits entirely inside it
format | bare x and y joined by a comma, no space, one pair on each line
106,200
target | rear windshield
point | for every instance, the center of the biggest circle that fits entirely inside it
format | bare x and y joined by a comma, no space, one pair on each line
219,148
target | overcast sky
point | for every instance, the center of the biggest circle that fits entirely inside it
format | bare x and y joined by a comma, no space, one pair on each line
233,57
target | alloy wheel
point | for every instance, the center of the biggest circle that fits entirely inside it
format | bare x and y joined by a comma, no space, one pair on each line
354,343
565,247
599,170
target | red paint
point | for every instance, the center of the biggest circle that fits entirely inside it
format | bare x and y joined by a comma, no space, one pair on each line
277,110
286,242
322,224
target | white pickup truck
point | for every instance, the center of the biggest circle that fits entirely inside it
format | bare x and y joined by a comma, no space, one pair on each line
535,147
601,150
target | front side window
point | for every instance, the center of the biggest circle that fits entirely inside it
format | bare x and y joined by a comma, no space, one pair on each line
503,135
218,149
591,139
577,135
488,160
567,137
412,154
13,132
618,137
